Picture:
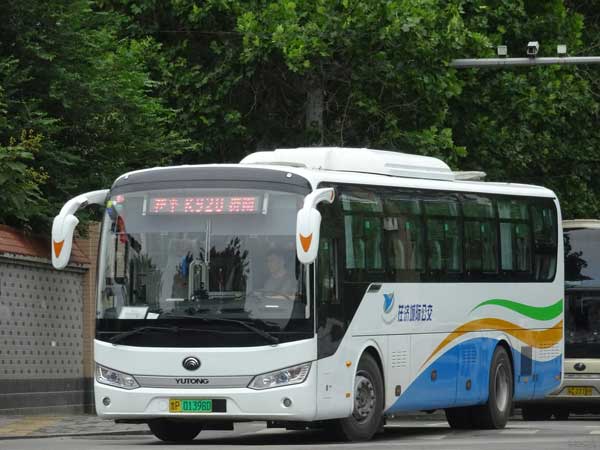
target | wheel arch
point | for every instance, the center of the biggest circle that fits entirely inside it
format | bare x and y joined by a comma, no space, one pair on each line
372,349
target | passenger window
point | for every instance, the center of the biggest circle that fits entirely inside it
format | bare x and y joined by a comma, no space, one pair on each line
515,236
545,239
363,217
480,236
444,249
403,236
363,242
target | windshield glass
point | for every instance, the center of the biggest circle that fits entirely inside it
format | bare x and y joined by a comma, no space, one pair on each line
582,257
198,256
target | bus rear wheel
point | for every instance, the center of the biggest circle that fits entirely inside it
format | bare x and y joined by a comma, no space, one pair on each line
495,413
367,414
170,431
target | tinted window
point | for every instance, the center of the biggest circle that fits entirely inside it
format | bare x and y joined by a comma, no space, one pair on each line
444,249
480,235
515,236
403,236
363,229
544,239
582,256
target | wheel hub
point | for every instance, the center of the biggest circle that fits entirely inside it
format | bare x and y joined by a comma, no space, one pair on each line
502,387
364,398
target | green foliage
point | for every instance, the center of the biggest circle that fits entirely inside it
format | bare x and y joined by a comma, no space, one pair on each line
115,85
67,76
538,124
20,193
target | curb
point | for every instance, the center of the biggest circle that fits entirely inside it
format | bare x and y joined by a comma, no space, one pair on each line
56,435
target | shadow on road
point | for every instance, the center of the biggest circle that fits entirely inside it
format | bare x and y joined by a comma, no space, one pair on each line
310,438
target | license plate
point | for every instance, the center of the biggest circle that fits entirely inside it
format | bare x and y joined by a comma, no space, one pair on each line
177,405
576,390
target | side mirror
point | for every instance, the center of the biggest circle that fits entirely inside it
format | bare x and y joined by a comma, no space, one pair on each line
64,225
308,224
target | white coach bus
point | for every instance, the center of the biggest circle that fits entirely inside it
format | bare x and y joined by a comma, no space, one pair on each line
321,287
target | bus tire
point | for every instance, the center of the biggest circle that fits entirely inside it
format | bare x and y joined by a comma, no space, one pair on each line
495,413
170,431
460,418
367,414
535,412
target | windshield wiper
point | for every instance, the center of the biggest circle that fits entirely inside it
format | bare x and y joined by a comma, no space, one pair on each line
141,330
262,333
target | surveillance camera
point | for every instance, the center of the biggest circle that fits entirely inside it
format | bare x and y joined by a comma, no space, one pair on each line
532,48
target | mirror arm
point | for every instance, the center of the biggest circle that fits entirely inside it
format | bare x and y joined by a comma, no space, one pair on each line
65,222
317,196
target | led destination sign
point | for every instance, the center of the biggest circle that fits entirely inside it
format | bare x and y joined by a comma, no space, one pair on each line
203,205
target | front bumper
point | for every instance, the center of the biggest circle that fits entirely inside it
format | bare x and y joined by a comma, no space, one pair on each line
564,395
242,404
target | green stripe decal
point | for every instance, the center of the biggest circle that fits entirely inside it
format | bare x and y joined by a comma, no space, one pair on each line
533,312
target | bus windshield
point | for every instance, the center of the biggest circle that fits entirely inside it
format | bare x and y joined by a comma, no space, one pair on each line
582,296
582,257
200,256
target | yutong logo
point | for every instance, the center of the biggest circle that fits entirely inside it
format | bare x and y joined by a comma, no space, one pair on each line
192,380
191,363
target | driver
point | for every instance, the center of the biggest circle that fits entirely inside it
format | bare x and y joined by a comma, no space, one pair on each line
279,279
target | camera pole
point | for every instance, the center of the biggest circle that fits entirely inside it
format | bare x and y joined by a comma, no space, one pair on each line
531,60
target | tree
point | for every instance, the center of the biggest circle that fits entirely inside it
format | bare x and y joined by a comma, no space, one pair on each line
535,124
86,92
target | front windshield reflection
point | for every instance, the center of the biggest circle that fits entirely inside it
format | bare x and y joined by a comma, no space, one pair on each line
203,253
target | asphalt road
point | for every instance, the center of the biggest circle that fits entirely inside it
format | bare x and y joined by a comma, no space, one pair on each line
580,433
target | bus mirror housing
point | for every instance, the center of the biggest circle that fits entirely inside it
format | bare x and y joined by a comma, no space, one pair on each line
64,225
308,224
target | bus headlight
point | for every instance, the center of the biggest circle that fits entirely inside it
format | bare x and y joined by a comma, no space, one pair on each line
283,377
115,378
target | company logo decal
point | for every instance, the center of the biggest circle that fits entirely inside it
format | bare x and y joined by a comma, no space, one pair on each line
388,316
191,363
388,302
415,313
405,313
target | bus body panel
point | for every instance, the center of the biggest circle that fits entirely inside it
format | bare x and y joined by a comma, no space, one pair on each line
440,349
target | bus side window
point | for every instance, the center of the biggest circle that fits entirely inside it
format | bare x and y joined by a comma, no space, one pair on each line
545,239
402,237
363,229
444,246
480,236
515,237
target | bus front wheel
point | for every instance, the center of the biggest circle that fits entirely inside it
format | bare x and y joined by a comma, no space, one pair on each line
367,414
170,431
494,414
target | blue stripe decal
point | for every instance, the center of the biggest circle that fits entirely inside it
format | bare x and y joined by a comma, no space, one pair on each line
443,384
